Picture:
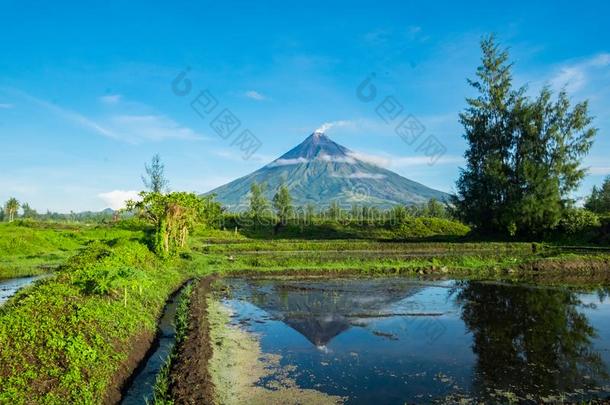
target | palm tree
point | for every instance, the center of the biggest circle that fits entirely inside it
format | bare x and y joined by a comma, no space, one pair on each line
10,208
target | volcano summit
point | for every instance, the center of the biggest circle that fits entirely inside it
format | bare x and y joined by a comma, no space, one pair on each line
319,171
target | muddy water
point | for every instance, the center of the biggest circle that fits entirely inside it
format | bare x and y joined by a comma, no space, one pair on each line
397,340
8,288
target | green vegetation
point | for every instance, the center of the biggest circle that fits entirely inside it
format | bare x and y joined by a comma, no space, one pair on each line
162,394
172,215
523,157
11,208
31,248
65,339
155,179
599,200
282,202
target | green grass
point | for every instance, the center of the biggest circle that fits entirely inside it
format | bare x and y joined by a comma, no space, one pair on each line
64,339
31,248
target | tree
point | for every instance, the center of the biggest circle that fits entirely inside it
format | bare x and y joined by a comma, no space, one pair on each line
258,202
599,200
282,202
435,208
155,179
28,212
335,212
173,215
10,209
523,157
310,213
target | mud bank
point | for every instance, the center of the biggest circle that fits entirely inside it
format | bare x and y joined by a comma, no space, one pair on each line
190,381
219,363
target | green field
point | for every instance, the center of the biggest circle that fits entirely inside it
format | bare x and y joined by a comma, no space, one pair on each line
72,336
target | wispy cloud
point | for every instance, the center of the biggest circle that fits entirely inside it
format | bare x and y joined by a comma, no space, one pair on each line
111,98
6,106
360,175
396,162
115,199
599,170
136,128
575,76
237,157
333,124
255,95
288,162
132,128
72,116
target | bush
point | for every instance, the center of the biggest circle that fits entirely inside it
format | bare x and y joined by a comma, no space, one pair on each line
578,220
412,227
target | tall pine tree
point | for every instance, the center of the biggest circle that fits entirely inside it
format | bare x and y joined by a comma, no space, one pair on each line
524,155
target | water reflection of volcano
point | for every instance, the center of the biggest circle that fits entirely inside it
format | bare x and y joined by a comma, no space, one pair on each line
321,310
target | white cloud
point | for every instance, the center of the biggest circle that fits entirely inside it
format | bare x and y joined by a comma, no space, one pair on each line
328,125
111,98
72,116
151,127
395,162
115,199
424,160
6,105
599,170
377,160
288,162
574,77
128,128
337,159
254,95
235,156
361,175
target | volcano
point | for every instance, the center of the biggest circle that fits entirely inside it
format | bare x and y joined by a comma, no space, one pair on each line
319,171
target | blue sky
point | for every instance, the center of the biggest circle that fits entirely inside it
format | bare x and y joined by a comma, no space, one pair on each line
86,96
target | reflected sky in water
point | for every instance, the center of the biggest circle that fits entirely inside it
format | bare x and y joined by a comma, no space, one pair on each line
392,340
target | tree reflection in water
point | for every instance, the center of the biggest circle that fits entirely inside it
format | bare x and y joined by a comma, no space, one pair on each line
529,340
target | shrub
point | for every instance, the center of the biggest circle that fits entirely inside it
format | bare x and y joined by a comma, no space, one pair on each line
577,220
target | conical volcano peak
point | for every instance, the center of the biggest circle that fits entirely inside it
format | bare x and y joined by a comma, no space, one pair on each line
319,134
315,145
319,171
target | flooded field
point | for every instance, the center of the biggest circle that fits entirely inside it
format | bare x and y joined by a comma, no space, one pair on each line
396,340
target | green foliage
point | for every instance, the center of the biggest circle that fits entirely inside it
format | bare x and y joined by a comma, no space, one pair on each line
599,200
11,207
155,179
282,202
28,212
259,206
62,343
173,216
430,226
524,155
578,220
30,248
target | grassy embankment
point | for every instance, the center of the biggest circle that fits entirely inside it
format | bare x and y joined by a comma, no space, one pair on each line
30,248
75,337
231,253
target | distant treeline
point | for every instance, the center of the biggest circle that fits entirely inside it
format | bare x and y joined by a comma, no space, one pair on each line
13,209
